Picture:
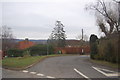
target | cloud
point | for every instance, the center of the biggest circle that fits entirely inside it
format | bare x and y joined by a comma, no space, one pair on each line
39,18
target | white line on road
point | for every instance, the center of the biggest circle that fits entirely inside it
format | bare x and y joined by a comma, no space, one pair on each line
82,74
32,72
25,71
99,71
115,74
106,74
39,74
107,70
50,77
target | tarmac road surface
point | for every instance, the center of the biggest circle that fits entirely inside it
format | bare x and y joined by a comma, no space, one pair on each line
76,66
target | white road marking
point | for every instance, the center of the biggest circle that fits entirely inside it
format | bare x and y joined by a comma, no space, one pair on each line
50,77
106,74
115,74
32,72
108,70
82,74
39,74
25,71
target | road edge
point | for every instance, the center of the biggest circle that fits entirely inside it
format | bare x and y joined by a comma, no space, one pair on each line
26,67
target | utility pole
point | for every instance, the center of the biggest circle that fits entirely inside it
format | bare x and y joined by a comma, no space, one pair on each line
82,42
82,34
47,47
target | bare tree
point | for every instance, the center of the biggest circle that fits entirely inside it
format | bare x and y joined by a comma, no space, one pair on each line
107,16
7,38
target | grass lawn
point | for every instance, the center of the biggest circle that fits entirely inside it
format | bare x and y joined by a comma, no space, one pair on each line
105,63
22,62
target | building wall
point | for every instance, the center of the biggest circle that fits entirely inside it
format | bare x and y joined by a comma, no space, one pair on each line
74,50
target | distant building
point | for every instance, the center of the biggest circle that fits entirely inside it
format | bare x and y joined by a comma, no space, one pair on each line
76,43
74,47
73,50
25,44
72,43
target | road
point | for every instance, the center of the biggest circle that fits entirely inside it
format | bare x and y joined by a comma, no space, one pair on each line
64,67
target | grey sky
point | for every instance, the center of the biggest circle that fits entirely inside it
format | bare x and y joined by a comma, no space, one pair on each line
36,19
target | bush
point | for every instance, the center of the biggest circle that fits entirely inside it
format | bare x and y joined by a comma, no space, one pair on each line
99,57
26,53
93,46
40,50
108,49
109,53
15,53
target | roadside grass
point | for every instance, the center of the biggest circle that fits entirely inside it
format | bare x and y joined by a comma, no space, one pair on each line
0,62
22,62
105,63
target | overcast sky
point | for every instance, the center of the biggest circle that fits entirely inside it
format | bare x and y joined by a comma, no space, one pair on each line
36,19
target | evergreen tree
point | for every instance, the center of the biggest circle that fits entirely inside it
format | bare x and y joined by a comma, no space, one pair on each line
58,37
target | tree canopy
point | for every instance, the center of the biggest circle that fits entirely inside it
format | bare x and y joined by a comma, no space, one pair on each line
58,36
107,16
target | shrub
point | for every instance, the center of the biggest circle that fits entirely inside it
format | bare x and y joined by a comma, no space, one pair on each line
40,50
15,53
108,48
109,53
26,53
93,46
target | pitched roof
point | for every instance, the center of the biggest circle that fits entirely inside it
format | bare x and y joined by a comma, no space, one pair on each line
73,42
25,44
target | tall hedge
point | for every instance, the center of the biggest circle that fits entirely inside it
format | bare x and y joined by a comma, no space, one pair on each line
15,53
108,50
93,46
41,50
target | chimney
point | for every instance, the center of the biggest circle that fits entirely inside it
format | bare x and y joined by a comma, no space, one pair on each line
26,40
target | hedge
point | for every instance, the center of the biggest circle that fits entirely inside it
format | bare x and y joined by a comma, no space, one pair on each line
108,50
93,46
15,53
41,50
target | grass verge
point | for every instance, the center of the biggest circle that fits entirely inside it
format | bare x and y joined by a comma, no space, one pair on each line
18,63
105,63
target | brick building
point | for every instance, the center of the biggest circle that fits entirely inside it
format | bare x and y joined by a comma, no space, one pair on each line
25,44
74,47
74,50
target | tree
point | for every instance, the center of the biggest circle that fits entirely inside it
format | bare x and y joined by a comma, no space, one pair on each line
7,38
107,16
58,36
93,46
93,38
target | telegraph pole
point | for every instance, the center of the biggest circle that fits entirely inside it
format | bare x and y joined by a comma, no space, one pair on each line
82,34
47,47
